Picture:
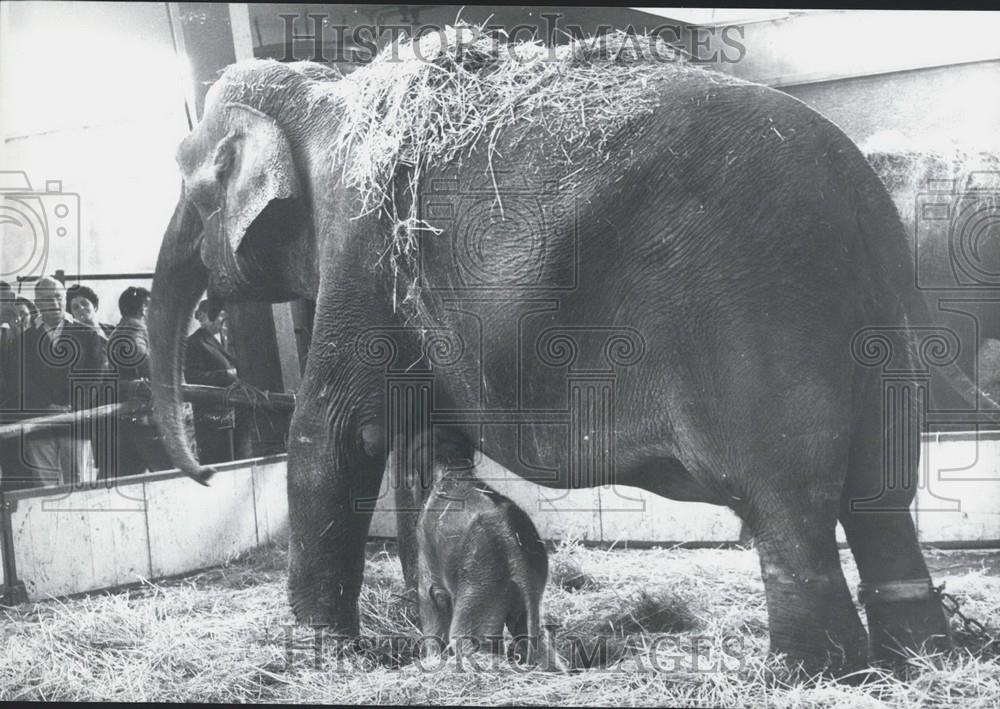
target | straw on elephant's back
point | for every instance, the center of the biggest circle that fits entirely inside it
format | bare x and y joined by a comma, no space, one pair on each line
425,103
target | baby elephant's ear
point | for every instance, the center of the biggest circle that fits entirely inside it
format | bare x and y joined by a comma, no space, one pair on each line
253,163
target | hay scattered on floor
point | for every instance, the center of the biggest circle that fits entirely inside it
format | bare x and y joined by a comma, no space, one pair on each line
565,571
218,637
429,101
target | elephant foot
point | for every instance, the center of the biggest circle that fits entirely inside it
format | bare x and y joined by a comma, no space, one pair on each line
334,627
905,618
838,658
825,637
342,620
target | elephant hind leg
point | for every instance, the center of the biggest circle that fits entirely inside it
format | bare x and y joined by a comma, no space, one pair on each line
903,613
908,616
810,612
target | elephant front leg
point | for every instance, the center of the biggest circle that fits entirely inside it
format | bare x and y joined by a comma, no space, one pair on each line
333,481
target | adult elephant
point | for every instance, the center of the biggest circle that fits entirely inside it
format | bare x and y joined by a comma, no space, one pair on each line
697,314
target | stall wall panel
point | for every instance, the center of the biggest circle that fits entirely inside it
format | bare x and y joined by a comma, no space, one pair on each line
565,514
193,527
94,545
953,100
959,496
383,522
959,469
628,513
558,514
270,488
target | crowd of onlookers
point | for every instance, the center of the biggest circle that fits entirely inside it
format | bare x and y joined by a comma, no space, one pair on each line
57,356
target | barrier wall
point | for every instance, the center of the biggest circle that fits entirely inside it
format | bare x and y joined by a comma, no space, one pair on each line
61,541
67,540
957,502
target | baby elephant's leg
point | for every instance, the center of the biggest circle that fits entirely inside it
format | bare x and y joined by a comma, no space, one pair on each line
520,649
525,619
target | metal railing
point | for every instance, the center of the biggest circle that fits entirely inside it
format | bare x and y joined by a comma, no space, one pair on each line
138,395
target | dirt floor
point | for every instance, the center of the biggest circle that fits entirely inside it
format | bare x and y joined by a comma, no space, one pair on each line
650,627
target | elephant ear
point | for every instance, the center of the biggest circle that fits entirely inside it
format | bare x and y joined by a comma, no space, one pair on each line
253,164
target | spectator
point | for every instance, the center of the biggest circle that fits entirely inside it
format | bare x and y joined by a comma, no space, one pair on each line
49,356
12,468
130,355
82,302
8,314
8,328
27,313
139,445
207,361
9,331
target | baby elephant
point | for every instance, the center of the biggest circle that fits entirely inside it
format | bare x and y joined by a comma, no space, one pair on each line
481,565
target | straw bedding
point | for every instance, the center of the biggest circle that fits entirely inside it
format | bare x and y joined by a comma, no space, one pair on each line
429,102
222,635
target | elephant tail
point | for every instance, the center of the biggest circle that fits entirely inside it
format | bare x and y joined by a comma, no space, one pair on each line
936,349
891,297
924,352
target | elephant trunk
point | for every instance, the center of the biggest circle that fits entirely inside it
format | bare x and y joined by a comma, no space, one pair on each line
179,281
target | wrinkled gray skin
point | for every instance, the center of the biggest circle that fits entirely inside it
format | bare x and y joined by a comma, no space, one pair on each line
737,236
481,566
